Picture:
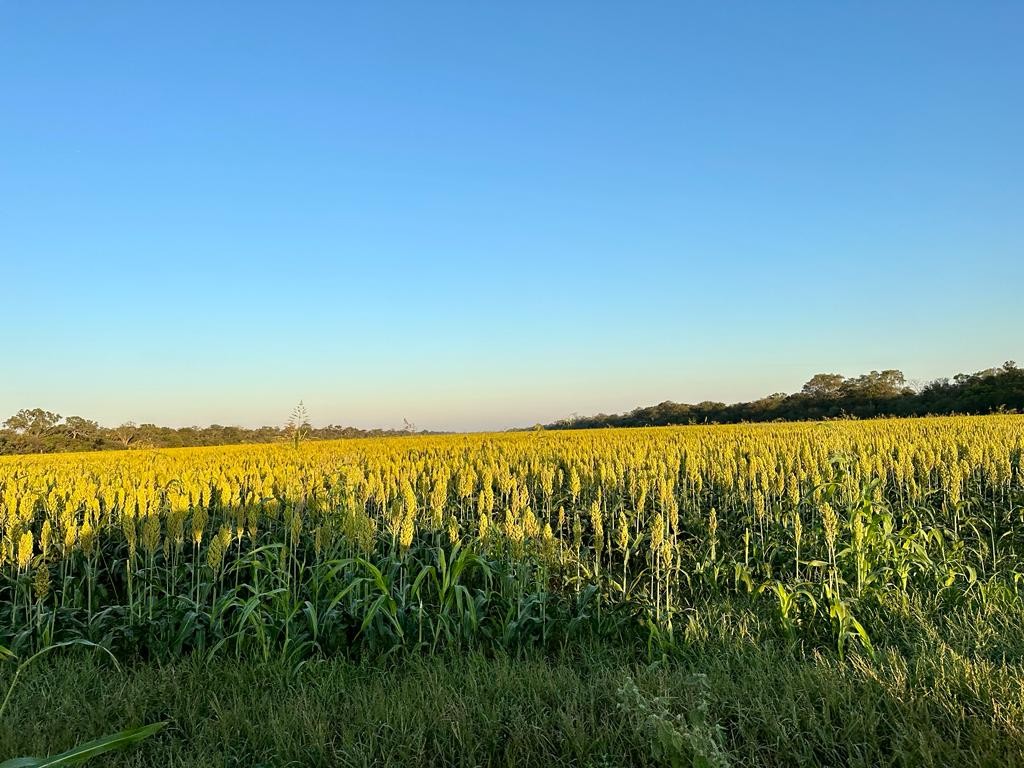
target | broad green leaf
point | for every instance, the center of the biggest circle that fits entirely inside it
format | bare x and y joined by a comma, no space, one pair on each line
81,753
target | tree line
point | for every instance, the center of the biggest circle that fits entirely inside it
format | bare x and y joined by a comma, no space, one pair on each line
832,396
35,430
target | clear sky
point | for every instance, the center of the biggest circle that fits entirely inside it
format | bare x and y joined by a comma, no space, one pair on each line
479,215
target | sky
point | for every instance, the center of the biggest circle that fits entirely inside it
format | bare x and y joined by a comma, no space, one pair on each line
483,215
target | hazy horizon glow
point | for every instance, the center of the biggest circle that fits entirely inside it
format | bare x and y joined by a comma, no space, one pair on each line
479,217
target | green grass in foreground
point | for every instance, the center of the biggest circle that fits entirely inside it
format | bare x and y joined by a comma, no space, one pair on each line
754,705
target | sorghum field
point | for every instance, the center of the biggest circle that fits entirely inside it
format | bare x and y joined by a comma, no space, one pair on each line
812,593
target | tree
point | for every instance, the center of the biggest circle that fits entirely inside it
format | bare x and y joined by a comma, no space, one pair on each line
34,422
878,384
824,385
77,428
125,434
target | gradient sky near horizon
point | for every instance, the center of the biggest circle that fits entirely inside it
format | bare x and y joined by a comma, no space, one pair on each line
483,215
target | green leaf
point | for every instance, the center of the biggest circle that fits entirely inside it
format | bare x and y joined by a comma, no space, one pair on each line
78,755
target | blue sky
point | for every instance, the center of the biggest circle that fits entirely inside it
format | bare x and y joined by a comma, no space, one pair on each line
479,215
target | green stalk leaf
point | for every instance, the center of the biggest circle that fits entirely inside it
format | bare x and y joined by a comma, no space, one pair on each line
81,753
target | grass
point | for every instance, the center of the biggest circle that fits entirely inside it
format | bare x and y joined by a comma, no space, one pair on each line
765,704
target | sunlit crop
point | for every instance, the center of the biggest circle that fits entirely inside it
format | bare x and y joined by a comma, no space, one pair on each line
508,539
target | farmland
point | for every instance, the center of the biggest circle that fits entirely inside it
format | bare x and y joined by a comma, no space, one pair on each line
837,592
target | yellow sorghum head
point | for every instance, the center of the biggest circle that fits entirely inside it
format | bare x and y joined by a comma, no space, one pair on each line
199,518
830,522
45,537
25,546
623,531
657,532
531,528
405,532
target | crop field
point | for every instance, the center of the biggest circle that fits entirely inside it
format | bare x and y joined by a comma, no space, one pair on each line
887,552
